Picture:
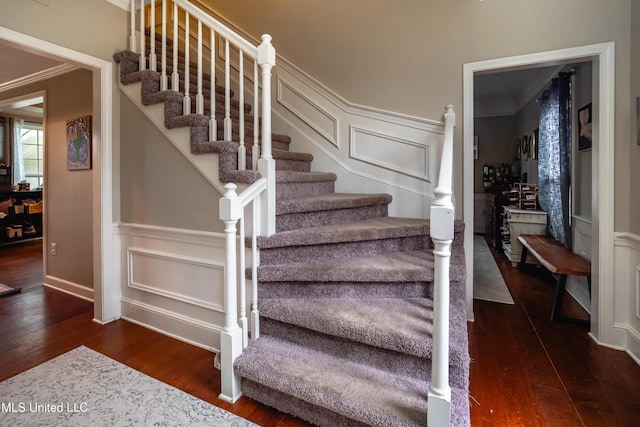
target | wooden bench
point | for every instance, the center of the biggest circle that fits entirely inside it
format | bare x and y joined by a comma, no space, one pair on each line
558,260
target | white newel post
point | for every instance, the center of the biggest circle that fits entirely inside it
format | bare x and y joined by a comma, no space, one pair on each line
442,234
266,164
231,337
439,397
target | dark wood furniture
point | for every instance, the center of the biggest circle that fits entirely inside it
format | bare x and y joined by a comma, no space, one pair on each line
558,260
27,219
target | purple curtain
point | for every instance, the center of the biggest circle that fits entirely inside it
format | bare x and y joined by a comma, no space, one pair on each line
554,158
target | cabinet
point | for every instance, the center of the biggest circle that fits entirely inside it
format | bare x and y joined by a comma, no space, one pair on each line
516,222
20,216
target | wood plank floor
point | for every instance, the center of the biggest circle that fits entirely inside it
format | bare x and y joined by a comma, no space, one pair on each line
526,370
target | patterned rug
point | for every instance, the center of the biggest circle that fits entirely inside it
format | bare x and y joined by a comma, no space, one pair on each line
488,283
7,290
85,388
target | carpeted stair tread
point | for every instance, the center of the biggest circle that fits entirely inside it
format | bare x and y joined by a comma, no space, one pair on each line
304,177
399,324
351,389
330,201
399,267
371,229
354,390
288,155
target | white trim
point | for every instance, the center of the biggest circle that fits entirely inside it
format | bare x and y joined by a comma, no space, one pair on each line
80,291
106,285
39,76
603,56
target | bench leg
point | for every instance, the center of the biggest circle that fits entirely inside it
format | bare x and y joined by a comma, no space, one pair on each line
557,304
523,258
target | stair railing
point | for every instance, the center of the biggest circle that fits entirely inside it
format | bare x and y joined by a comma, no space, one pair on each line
442,232
259,197
218,40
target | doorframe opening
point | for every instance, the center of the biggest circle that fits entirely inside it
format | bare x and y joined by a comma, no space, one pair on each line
602,57
106,289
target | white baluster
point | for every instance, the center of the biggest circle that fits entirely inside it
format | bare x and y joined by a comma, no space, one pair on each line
199,95
242,150
231,336
228,130
242,283
132,25
164,82
213,124
255,151
255,315
153,60
143,51
175,76
186,103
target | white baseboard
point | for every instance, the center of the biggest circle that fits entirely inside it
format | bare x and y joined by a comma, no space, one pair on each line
68,287
178,326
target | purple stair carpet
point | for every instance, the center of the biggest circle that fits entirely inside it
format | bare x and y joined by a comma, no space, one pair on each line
345,291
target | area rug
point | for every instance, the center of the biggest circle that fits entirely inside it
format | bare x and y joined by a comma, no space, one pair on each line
85,388
488,284
7,290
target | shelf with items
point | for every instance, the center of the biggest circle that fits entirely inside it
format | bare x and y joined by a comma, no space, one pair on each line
516,222
522,196
20,216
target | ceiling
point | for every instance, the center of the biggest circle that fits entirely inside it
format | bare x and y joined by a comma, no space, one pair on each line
20,67
505,93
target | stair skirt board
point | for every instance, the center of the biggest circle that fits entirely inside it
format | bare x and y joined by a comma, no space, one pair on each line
343,253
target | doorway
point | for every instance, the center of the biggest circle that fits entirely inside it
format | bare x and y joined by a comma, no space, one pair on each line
106,276
602,58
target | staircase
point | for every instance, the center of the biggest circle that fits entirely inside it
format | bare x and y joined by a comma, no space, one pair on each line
346,292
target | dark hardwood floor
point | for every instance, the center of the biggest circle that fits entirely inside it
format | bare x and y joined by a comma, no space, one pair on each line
526,370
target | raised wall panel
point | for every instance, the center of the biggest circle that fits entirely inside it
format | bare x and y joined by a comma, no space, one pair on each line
311,113
177,277
386,151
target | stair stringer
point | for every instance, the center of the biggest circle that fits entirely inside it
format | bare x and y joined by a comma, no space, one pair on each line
207,165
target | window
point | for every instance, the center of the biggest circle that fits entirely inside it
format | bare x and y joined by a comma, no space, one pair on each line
33,154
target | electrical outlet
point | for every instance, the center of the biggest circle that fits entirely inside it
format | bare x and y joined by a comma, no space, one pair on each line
54,249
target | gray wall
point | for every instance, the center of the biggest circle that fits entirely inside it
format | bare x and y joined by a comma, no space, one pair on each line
496,144
159,185
407,56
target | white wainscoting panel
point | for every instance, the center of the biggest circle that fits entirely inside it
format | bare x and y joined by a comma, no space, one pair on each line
173,282
176,276
369,149
390,152
627,293
309,112
577,286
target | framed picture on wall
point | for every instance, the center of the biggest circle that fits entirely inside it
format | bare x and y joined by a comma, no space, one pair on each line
79,143
584,128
